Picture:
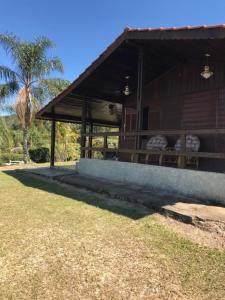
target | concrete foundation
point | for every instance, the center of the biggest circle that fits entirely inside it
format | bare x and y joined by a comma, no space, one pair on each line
202,185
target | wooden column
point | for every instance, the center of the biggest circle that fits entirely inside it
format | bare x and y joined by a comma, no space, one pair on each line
105,146
139,118
90,140
83,128
182,159
52,158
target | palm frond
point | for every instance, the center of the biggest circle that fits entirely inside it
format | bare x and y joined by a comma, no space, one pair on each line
10,43
53,84
44,43
45,66
39,93
36,104
7,74
55,64
49,88
8,89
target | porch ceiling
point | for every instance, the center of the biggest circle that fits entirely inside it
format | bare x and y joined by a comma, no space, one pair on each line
102,83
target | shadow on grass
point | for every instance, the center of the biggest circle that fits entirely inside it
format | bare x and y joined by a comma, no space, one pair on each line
54,188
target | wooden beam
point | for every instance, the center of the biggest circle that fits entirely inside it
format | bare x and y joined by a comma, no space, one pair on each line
91,98
139,98
93,91
74,119
162,132
52,158
83,128
105,146
90,140
164,152
181,159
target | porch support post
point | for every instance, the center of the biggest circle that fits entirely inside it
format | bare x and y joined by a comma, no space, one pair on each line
90,140
105,146
139,120
52,158
181,158
83,127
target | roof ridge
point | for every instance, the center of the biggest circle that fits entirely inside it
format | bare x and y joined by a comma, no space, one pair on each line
129,29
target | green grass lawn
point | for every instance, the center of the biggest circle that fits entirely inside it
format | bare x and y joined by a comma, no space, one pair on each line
58,244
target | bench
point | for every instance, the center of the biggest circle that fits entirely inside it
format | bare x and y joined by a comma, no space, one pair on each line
14,162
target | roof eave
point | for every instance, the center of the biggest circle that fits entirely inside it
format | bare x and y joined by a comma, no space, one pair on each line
146,33
119,40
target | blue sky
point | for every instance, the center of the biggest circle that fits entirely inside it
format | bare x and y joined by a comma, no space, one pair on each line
83,29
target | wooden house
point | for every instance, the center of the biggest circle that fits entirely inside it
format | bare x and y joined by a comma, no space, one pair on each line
167,83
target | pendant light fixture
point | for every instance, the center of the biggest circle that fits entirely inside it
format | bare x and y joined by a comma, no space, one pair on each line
206,73
127,90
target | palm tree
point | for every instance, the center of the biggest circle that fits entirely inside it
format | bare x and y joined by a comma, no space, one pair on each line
28,80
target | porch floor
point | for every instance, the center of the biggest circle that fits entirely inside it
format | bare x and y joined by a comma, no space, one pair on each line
204,215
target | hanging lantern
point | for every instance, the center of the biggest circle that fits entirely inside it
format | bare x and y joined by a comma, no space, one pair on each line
127,90
206,73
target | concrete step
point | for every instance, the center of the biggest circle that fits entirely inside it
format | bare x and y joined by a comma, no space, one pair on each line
187,210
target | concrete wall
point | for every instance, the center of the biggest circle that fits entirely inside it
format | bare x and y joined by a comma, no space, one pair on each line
203,185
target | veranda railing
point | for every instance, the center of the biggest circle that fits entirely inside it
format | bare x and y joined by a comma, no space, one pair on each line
134,153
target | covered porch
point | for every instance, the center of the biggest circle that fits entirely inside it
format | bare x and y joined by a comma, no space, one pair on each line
147,83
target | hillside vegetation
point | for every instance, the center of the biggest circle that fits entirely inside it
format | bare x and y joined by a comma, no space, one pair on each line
11,147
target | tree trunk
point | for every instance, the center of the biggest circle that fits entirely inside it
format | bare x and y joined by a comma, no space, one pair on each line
25,145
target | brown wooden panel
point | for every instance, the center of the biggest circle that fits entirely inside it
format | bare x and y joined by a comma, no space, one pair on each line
171,113
221,108
154,120
199,110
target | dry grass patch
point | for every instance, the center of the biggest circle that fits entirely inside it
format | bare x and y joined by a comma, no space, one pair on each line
57,244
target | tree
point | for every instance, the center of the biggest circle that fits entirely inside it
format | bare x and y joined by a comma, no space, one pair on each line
28,80
67,147
6,139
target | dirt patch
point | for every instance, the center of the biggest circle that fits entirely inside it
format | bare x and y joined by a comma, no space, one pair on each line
202,234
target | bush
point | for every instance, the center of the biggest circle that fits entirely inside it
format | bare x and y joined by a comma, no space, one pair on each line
6,157
39,155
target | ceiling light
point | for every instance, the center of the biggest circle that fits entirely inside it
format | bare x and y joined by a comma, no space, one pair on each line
127,90
206,73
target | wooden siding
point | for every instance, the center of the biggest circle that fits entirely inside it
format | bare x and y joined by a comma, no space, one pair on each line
182,99
199,110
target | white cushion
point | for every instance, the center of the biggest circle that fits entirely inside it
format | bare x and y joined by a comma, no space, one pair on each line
192,144
157,142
